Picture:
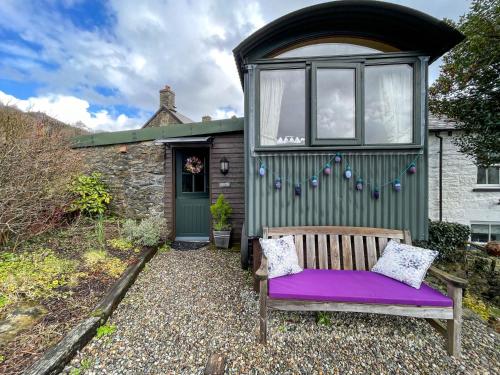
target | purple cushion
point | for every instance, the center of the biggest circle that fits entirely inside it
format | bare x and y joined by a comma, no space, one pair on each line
353,286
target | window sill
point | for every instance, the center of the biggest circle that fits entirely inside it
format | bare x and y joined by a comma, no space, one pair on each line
486,188
332,148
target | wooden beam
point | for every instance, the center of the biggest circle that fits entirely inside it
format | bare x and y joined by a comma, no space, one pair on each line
400,310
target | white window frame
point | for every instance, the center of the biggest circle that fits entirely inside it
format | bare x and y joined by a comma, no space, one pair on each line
488,223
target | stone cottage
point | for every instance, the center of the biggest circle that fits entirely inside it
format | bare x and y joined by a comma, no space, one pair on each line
459,191
145,169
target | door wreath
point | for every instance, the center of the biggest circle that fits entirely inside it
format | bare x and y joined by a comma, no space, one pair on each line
193,165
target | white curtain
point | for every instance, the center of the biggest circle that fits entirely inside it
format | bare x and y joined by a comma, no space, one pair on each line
271,95
396,92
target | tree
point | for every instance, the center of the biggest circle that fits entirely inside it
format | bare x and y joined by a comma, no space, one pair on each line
468,88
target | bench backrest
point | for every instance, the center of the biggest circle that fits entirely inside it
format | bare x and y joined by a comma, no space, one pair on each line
339,248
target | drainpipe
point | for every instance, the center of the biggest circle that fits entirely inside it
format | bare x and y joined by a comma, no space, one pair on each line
440,175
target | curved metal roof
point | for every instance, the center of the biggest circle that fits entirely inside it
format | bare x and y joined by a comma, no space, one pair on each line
402,27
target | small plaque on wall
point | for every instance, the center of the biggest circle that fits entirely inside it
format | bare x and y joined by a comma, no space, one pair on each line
224,184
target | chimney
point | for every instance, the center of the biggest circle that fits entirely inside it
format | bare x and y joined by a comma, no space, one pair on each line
206,118
167,98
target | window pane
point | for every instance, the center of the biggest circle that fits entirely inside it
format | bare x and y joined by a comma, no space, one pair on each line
282,107
495,232
493,175
481,175
199,182
328,49
389,104
187,183
335,103
479,232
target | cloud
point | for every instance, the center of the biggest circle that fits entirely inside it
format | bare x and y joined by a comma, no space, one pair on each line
72,110
133,48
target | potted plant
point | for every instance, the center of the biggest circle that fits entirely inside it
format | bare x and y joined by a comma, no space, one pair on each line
221,211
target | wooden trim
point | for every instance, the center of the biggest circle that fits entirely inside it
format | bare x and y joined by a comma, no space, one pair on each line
400,310
263,311
337,230
454,324
447,278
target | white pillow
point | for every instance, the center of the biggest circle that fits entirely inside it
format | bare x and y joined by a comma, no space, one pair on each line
405,263
281,256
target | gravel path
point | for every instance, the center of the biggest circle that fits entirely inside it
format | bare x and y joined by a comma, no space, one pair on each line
187,305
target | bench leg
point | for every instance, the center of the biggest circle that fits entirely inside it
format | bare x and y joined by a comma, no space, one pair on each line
454,326
263,312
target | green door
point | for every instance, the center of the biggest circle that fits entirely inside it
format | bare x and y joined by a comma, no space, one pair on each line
192,194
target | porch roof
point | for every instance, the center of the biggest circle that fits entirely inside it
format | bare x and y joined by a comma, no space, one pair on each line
162,132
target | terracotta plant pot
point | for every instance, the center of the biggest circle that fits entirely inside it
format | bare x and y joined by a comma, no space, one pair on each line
221,238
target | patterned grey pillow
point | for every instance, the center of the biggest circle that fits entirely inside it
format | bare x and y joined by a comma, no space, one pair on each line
281,256
405,263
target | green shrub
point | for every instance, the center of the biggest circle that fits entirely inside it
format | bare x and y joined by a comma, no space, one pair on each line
120,244
92,193
147,233
478,306
99,260
221,211
447,238
106,330
33,276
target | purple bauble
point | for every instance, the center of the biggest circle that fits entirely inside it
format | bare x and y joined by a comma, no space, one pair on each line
412,169
376,194
328,169
314,181
397,185
338,158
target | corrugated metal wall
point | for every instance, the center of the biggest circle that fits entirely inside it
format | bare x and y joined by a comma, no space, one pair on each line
335,201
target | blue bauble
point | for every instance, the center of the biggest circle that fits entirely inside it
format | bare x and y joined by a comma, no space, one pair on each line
298,190
314,181
262,171
376,194
359,184
277,184
348,173
397,185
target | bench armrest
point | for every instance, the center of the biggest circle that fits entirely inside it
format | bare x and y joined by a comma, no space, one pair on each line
448,278
261,273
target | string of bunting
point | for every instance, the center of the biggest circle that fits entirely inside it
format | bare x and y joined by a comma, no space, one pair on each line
326,169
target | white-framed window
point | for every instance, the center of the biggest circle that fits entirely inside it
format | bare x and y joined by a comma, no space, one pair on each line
485,231
488,176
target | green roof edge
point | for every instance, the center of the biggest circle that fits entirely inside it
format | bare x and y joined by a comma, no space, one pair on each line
162,132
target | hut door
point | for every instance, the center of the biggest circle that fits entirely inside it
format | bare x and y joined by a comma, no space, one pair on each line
192,194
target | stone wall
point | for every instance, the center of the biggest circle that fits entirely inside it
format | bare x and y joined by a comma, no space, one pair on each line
461,203
135,174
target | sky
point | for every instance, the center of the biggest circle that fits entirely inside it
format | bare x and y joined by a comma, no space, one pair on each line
102,63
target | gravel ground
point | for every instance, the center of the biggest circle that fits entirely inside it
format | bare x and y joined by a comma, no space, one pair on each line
187,305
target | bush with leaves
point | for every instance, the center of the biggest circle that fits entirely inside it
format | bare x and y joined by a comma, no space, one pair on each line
448,239
148,232
92,193
221,211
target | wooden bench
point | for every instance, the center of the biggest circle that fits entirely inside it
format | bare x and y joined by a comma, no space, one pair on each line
357,248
